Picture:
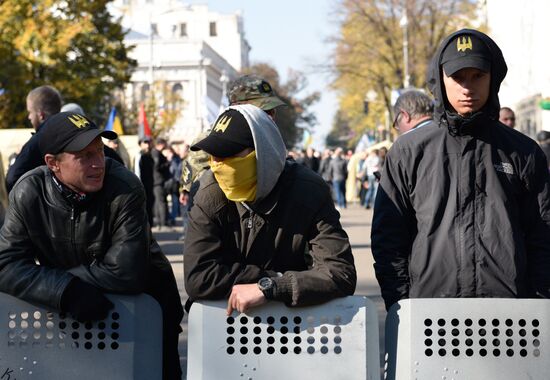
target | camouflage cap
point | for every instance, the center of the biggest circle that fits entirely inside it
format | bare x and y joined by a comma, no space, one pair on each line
252,89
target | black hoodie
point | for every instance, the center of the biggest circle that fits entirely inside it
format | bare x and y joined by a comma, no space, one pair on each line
463,207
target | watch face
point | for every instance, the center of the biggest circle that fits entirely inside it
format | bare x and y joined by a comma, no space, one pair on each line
265,283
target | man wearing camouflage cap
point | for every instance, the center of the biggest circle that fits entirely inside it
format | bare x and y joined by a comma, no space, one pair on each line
252,89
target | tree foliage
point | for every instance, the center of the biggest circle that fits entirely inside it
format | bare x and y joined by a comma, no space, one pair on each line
74,45
369,53
297,116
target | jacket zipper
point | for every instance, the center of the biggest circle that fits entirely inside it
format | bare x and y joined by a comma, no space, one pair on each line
73,225
249,220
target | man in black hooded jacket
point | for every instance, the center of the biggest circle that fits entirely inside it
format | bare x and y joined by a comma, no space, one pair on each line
463,207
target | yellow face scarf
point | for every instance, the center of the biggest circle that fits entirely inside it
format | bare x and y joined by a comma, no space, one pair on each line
236,177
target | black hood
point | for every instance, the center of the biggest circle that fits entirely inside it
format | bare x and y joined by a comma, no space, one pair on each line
443,113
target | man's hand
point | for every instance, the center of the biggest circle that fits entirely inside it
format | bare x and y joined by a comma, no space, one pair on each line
243,297
184,198
85,302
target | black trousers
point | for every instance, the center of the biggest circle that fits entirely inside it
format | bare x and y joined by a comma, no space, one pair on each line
161,205
164,290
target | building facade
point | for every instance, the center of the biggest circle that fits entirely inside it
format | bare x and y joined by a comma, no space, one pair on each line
521,29
192,51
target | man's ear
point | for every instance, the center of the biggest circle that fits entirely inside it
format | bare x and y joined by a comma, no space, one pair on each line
408,117
42,115
51,162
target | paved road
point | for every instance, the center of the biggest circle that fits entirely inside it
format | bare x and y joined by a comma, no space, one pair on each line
355,220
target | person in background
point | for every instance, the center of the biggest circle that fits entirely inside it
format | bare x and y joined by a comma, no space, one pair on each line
161,174
42,102
371,166
255,90
324,166
507,117
143,168
338,171
73,107
172,185
413,109
193,167
310,160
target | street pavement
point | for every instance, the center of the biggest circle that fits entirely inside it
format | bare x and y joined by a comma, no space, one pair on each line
356,222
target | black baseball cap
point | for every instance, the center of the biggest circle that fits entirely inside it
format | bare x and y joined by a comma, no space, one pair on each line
69,132
229,136
466,50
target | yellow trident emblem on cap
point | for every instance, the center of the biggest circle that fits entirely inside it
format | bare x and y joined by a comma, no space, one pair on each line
79,121
464,43
222,124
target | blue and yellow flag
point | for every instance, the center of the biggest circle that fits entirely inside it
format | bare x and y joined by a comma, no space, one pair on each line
114,124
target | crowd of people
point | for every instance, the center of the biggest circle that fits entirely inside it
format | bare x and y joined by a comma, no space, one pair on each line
461,204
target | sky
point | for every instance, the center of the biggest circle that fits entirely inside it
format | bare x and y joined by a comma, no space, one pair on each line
290,34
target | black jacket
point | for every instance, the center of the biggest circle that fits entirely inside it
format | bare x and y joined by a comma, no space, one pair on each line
295,230
161,168
106,241
463,206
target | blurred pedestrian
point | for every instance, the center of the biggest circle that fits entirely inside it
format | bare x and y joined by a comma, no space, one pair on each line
310,160
161,174
143,168
507,117
338,171
371,166
172,185
463,207
324,166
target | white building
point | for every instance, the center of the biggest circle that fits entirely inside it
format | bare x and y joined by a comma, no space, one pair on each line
521,29
192,49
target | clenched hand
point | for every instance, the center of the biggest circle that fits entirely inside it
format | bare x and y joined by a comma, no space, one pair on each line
243,297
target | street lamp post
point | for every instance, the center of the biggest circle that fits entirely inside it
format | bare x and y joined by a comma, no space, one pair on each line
404,23
224,80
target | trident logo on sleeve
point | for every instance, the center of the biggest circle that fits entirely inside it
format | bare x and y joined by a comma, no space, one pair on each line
79,121
464,43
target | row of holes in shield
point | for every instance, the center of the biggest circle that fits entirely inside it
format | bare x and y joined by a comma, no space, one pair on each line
40,319
283,329
509,328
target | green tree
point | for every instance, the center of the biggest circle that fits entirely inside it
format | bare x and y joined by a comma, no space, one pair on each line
368,53
297,116
74,45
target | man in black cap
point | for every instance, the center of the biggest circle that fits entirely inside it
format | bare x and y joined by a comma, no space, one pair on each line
77,227
262,228
463,207
42,102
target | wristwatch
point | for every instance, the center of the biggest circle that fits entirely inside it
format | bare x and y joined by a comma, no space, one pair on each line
267,285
